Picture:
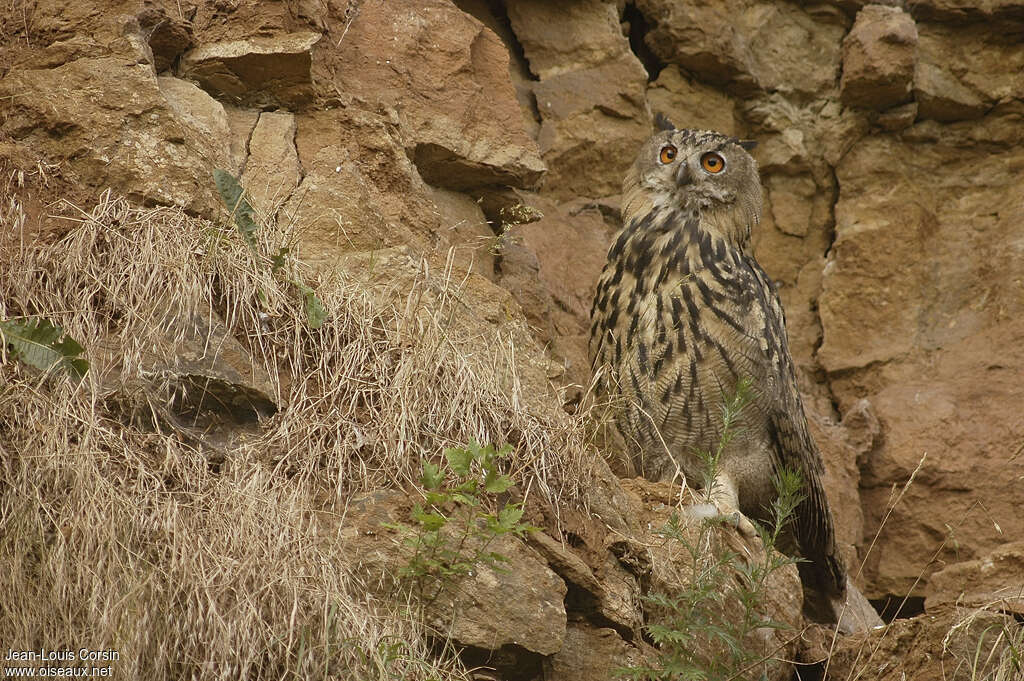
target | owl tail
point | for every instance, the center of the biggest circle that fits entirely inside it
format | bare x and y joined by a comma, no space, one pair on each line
831,598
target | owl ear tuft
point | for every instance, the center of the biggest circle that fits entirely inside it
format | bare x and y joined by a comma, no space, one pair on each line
661,122
749,145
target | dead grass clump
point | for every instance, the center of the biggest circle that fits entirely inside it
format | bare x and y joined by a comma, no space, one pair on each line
197,555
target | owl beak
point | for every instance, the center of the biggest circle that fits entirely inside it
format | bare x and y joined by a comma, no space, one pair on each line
683,175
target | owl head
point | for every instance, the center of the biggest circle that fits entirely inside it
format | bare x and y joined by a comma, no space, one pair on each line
696,171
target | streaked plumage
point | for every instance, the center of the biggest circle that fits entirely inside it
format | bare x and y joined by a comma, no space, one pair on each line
682,312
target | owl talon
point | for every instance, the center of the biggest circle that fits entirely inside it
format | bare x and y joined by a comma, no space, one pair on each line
732,518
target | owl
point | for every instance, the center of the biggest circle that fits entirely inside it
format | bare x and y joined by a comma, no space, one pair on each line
682,315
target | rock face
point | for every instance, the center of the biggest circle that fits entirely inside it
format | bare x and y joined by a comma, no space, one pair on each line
939,379
376,134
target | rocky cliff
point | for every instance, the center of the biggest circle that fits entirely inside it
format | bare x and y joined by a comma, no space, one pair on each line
460,160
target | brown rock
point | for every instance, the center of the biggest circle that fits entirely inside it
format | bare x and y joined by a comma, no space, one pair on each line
467,229
260,71
361,192
591,654
272,169
210,383
564,562
518,603
569,238
198,110
690,104
960,646
841,480
620,602
519,69
963,72
590,97
746,45
898,118
1001,14
542,27
593,120
909,324
940,96
996,580
241,123
168,36
879,54
112,126
447,77
672,569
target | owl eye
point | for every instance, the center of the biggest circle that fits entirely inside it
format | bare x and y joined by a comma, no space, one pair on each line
712,162
668,153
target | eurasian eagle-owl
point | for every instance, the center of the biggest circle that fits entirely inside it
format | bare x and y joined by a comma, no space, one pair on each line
683,313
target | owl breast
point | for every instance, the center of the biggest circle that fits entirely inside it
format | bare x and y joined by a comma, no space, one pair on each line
680,317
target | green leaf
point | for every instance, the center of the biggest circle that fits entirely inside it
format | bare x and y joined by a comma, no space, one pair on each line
316,314
510,515
431,477
41,343
428,520
495,482
234,198
459,460
467,487
465,499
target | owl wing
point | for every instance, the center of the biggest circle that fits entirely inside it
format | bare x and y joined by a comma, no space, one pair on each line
794,448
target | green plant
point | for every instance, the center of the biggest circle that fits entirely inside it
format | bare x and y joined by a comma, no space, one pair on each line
242,213
702,630
453,531
44,345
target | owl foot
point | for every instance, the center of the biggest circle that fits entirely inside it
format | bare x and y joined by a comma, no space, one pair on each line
731,517
724,506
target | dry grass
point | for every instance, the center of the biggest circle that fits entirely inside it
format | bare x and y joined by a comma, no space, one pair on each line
200,560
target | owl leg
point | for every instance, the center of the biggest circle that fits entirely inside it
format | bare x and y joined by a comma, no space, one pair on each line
724,505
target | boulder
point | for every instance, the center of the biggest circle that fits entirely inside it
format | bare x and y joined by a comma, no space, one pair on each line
995,580
446,76
542,27
746,45
879,54
131,139
592,653
205,115
259,71
515,604
593,121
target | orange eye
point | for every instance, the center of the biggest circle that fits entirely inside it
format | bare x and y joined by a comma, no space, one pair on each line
712,162
668,153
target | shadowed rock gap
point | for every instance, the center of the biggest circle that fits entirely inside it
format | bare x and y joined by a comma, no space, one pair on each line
638,26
